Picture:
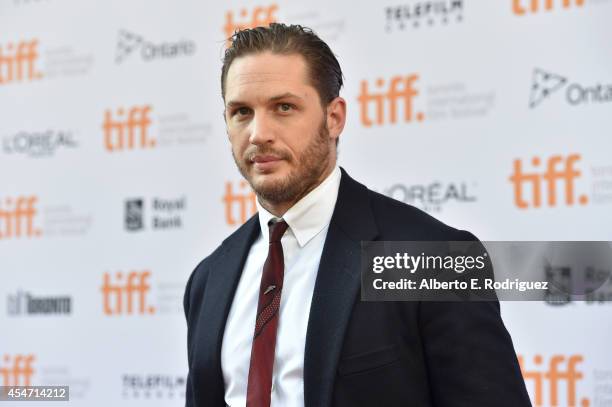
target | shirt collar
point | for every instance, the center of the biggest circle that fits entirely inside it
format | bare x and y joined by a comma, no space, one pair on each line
307,217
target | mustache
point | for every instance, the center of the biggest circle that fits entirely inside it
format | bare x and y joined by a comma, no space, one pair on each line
250,153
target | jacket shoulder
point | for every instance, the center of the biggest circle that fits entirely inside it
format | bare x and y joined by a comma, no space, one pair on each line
399,221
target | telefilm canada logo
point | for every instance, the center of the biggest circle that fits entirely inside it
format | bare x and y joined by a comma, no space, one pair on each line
546,84
153,386
130,43
416,14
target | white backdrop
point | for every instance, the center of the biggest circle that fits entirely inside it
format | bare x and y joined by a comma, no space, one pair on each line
116,176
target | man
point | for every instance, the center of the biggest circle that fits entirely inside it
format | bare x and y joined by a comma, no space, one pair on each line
274,314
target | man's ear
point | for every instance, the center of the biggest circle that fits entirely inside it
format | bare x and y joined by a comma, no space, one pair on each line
336,116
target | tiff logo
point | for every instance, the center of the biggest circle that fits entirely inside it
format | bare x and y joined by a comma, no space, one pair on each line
18,371
114,294
567,175
120,133
519,6
17,217
260,16
553,375
400,89
18,62
245,201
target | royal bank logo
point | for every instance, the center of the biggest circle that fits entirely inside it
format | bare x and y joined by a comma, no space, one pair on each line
129,43
134,214
25,303
545,84
416,14
154,213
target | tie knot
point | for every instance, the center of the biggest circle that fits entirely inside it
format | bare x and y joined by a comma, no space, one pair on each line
277,230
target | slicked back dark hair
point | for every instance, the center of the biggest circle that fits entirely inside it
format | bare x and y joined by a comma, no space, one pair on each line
323,68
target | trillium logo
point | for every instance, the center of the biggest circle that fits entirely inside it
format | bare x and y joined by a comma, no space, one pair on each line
543,85
128,43
546,83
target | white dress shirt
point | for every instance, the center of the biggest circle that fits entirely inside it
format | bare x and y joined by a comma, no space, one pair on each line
302,243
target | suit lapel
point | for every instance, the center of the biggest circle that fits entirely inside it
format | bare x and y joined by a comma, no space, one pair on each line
336,289
220,289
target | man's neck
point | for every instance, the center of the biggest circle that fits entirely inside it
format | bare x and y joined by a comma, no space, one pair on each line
278,209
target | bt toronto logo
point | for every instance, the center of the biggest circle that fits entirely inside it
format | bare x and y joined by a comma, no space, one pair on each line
128,133
424,13
521,7
38,143
17,371
545,83
257,17
561,369
558,169
28,304
128,43
118,297
398,91
18,62
17,216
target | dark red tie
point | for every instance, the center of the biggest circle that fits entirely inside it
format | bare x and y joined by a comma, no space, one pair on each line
259,386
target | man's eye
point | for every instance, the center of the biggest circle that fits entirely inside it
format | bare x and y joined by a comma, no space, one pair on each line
285,107
242,111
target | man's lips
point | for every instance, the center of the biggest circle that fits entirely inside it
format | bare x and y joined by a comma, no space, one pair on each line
258,159
265,163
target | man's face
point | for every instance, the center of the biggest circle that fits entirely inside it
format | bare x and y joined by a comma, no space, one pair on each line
277,126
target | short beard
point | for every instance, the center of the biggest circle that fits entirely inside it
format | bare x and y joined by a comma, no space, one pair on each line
312,163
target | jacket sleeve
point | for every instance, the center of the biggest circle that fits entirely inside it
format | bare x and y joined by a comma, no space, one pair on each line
469,354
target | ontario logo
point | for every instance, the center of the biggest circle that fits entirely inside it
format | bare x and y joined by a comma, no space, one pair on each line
544,84
129,43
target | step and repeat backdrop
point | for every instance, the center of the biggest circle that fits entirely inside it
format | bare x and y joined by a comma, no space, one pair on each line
116,176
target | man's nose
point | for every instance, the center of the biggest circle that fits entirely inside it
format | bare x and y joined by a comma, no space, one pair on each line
262,130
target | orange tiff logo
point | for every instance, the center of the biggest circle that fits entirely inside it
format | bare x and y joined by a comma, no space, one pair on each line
17,217
260,16
118,297
399,90
559,368
519,6
244,199
567,175
120,132
18,62
17,371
